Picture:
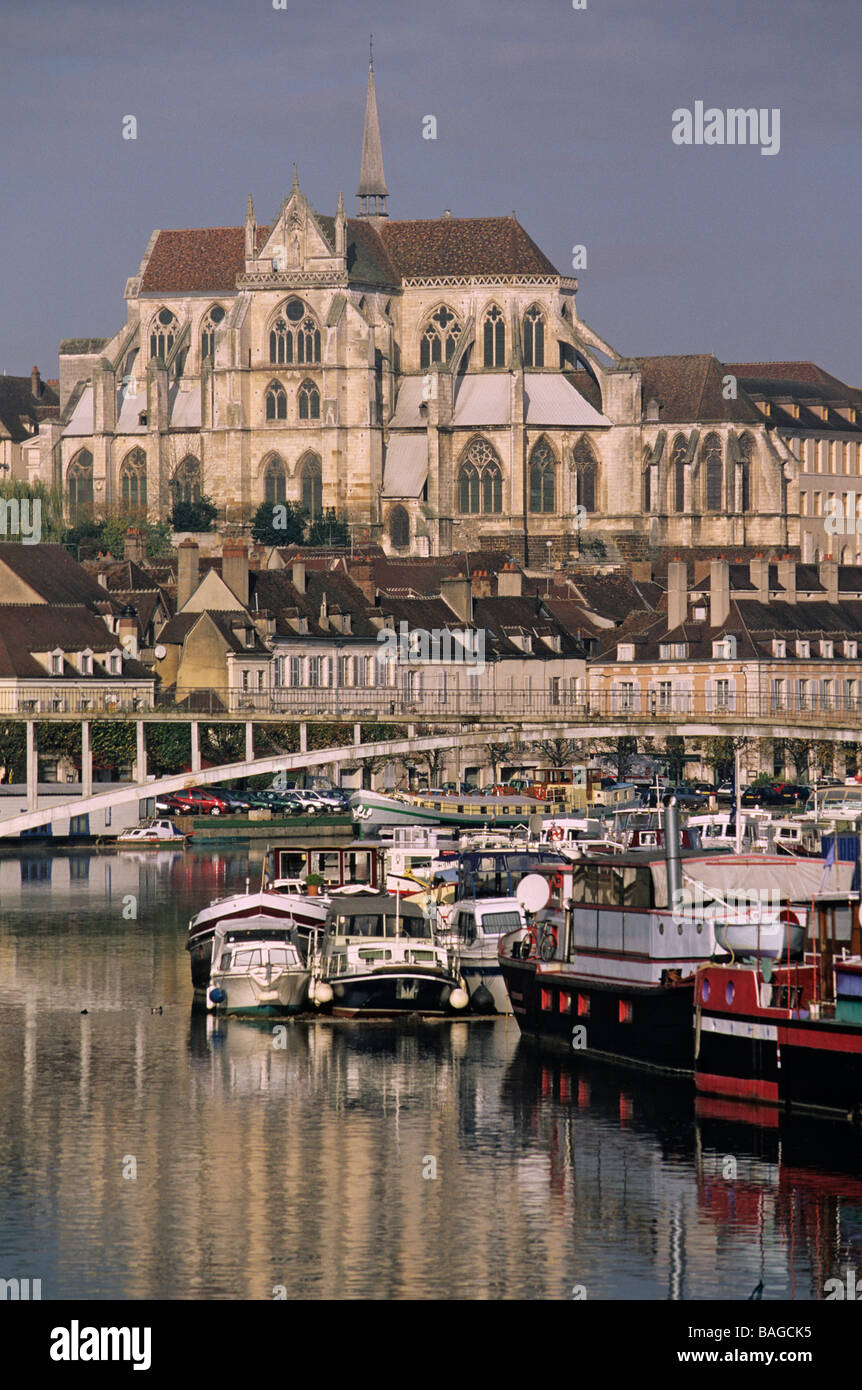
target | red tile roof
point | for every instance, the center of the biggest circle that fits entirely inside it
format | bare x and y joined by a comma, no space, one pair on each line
452,246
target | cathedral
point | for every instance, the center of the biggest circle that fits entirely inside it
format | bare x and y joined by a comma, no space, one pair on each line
430,381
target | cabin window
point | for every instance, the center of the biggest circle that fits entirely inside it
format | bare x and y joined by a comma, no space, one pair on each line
495,923
625,1011
226,960
246,960
547,1000
565,1002
583,1006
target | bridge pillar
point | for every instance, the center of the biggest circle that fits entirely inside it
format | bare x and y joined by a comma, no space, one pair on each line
141,753
411,730
357,733
32,767
86,760
196,746
249,741
303,738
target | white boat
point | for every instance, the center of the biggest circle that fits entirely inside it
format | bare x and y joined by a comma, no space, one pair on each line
155,832
471,931
257,969
415,855
718,831
379,958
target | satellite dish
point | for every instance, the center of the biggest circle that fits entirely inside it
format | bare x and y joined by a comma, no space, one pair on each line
160,652
533,892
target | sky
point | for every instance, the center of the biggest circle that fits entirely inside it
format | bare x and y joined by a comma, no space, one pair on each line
563,116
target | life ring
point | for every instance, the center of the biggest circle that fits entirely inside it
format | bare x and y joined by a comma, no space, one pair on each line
556,832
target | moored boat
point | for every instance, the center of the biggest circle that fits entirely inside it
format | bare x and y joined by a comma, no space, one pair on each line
472,932
153,833
257,970
373,809
378,958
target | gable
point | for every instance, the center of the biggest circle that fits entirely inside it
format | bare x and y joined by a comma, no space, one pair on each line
212,592
296,239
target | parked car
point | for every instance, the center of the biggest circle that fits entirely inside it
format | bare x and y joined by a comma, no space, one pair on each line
687,799
168,805
724,791
200,801
776,794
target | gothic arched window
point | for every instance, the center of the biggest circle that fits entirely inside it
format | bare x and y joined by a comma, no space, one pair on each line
186,482
133,480
713,466
495,338
542,478
439,338
208,328
309,401
294,336
679,454
80,483
746,455
276,401
647,477
163,333
480,479
534,337
311,474
399,527
274,480
587,468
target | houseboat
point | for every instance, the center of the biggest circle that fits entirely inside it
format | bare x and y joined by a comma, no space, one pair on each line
608,965
787,1031
378,958
256,970
372,809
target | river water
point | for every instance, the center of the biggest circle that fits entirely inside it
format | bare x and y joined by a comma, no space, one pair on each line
166,1155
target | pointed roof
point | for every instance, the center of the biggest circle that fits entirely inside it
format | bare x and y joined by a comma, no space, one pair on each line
371,180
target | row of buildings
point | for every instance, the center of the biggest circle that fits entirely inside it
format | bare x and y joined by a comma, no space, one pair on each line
433,382
312,634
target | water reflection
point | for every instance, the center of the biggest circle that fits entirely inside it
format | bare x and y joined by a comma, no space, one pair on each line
296,1155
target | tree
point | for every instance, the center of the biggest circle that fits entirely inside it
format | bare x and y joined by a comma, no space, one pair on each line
674,757
799,751
560,752
621,751
156,534
431,761
719,755
37,524
169,748
13,751
279,523
194,516
328,530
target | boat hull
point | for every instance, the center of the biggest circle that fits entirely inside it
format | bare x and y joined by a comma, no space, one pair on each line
245,995
646,1026
392,994
490,976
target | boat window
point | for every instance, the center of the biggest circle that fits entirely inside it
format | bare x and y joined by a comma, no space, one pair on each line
466,926
495,923
246,960
224,963
637,887
327,863
278,956
374,953
417,956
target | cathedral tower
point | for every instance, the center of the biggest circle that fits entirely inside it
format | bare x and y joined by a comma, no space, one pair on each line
372,192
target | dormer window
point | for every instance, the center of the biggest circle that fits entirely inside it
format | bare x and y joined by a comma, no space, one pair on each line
57,662
724,649
115,663
699,615
827,648
85,663
803,647
625,651
673,651
249,636
850,649
779,647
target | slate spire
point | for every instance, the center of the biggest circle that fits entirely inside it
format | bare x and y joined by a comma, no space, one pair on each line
372,191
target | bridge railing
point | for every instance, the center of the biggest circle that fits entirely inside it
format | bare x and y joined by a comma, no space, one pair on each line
389,703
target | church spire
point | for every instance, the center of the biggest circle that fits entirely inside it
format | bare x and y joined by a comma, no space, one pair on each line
372,184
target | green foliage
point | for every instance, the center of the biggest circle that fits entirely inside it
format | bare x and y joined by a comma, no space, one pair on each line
674,756
157,534
595,546
113,744
51,525
328,530
328,735
169,748
279,523
194,516
222,743
56,740
718,753
13,750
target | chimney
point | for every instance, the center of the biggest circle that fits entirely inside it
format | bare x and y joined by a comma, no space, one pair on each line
362,574
188,572
828,572
758,572
127,630
719,593
787,578
36,387
458,593
677,594
234,569
297,574
509,583
134,546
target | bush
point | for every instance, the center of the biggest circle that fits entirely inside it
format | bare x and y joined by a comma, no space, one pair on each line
279,523
194,516
328,530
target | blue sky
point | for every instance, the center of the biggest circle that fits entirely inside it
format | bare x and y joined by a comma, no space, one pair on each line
563,116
